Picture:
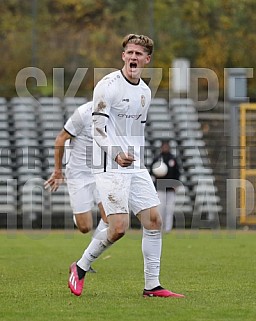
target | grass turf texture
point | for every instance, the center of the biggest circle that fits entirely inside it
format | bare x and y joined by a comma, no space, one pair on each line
216,272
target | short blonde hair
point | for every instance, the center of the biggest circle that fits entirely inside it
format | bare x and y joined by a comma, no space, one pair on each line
141,40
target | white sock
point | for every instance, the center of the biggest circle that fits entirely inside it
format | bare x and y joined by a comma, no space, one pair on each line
101,226
151,249
74,220
97,246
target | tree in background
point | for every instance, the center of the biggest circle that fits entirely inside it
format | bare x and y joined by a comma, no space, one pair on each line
71,34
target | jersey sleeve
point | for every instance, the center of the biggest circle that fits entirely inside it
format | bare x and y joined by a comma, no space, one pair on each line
103,98
74,124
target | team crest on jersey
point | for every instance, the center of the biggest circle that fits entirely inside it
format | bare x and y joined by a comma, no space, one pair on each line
143,100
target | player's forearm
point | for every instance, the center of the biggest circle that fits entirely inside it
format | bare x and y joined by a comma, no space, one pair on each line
101,138
58,154
100,135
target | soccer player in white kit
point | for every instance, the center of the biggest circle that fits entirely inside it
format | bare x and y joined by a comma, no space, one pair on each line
121,100
78,174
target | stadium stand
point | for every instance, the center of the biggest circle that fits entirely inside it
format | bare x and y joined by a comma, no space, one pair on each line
195,161
214,126
26,157
28,128
161,127
8,187
52,117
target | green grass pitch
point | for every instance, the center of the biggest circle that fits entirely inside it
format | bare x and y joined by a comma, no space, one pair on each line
215,270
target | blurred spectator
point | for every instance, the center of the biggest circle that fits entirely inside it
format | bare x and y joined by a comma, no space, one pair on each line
165,166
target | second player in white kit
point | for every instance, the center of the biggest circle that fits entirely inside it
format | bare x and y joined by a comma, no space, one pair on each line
78,173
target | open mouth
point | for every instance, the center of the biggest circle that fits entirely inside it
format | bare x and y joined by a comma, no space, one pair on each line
133,65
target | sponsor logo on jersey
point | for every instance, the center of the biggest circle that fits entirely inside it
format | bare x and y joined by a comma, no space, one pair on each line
136,117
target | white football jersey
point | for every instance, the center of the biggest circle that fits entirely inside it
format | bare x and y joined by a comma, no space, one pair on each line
119,116
79,160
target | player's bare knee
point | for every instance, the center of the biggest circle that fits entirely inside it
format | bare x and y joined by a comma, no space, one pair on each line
118,225
156,223
85,229
117,232
117,236
151,220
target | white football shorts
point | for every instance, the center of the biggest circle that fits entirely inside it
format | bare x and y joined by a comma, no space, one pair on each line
122,192
83,195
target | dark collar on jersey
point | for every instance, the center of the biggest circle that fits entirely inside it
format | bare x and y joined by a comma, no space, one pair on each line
129,80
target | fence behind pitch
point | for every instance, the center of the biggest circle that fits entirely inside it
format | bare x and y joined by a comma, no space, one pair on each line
248,163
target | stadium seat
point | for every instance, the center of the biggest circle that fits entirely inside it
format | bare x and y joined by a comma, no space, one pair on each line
49,101
200,170
191,142
5,173
185,117
33,200
159,123
3,101
8,197
185,134
158,101
25,101
158,109
59,201
157,117
187,125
